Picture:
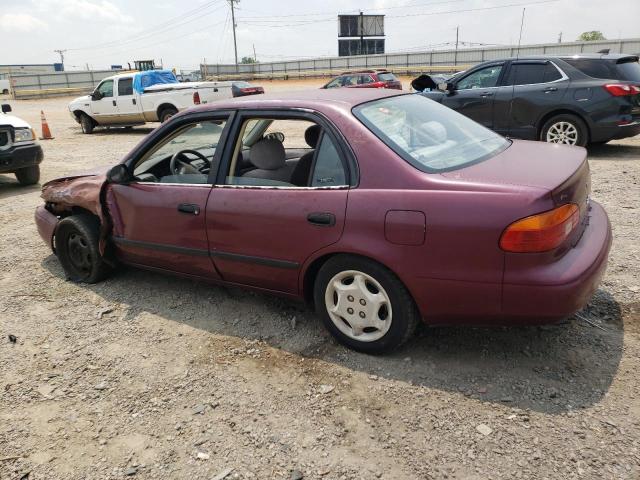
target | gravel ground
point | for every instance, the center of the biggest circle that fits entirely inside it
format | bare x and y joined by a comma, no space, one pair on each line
152,377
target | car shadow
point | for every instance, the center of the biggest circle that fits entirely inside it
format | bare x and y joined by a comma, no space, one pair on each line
103,131
9,187
549,369
613,151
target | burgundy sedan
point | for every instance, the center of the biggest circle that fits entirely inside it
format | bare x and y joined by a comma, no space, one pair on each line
379,209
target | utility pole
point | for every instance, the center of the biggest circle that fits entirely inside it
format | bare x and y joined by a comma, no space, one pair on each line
61,53
255,59
455,57
362,52
233,21
560,38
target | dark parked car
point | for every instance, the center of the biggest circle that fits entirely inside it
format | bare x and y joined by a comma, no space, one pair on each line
366,79
395,209
576,100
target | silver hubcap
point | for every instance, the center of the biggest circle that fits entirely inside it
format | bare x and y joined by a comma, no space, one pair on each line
563,132
358,306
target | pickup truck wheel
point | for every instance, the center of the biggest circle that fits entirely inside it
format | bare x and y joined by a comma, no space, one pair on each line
86,123
5,92
166,113
28,175
77,239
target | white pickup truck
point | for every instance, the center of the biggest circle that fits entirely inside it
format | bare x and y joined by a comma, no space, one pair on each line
135,98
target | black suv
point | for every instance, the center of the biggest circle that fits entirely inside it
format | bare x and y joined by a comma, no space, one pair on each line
576,100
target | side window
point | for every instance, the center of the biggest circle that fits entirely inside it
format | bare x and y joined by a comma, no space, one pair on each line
336,82
106,88
186,155
350,80
125,86
551,73
328,169
484,78
284,152
364,79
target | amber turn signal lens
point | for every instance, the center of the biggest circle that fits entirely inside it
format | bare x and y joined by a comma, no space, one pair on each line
541,232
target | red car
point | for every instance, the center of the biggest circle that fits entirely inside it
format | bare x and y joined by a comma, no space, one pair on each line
378,208
366,79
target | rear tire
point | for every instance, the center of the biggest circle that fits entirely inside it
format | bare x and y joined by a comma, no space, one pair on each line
364,305
87,123
28,175
166,113
5,92
565,129
77,240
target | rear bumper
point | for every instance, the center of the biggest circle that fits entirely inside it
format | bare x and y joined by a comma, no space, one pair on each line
605,132
18,157
560,289
46,222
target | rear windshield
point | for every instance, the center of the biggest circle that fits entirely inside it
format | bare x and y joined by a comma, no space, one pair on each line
627,69
241,84
386,77
428,135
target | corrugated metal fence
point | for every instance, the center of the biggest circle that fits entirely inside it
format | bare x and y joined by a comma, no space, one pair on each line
428,61
56,84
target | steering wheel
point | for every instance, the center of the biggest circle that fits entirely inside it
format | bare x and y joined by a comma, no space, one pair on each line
176,164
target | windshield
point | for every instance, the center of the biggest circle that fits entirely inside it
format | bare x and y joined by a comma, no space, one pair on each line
430,136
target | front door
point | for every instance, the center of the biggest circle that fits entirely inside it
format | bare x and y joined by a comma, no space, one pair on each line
159,218
263,223
104,107
128,108
474,94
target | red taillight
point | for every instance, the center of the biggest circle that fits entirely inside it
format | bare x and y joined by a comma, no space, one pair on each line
378,85
621,89
541,232
196,98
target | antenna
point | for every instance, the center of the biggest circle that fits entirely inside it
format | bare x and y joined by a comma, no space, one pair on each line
513,86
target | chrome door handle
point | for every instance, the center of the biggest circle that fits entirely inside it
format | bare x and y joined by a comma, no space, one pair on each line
486,94
550,89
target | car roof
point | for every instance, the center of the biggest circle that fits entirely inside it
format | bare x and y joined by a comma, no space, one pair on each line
603,56
316,99
378,70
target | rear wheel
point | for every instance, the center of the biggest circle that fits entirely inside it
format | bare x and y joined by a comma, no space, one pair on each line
364,305
76,241
5,92
28,175
166,113
566,129
87,124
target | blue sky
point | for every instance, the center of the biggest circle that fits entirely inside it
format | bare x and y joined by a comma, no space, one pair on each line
183,33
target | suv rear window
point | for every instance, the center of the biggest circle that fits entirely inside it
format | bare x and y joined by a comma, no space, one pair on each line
386,77
626,68
431,137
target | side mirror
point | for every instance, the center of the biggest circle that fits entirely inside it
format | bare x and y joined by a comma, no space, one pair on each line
119,174
6,108
446,87
96,95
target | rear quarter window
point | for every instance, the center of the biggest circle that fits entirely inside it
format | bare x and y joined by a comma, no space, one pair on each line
625,69
386,77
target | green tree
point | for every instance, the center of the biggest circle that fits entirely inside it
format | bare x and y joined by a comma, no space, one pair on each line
246,60
591,36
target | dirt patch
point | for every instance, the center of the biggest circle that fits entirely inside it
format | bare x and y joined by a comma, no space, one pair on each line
148,376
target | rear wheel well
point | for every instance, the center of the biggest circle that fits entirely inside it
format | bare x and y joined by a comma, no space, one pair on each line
165,106
311,273
547,116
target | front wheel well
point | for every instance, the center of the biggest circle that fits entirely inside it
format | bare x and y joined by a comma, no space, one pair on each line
553,113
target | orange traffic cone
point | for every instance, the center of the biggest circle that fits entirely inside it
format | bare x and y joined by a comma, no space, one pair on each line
46,133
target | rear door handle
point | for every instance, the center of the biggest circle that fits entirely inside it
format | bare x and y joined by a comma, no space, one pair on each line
486,94
550,89
322,219
114,102
189,208
133,100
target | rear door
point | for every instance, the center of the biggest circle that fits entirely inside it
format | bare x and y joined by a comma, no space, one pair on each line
530,89
262,231
128,108
474,93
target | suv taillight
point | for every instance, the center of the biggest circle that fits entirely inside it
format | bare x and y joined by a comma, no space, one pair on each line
379,84
196,98
621,89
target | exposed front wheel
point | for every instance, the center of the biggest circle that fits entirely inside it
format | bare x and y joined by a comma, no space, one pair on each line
364,305
77,248
28,175
86,122
566,129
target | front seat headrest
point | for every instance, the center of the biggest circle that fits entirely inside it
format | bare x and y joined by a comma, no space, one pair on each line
268,154
311,135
